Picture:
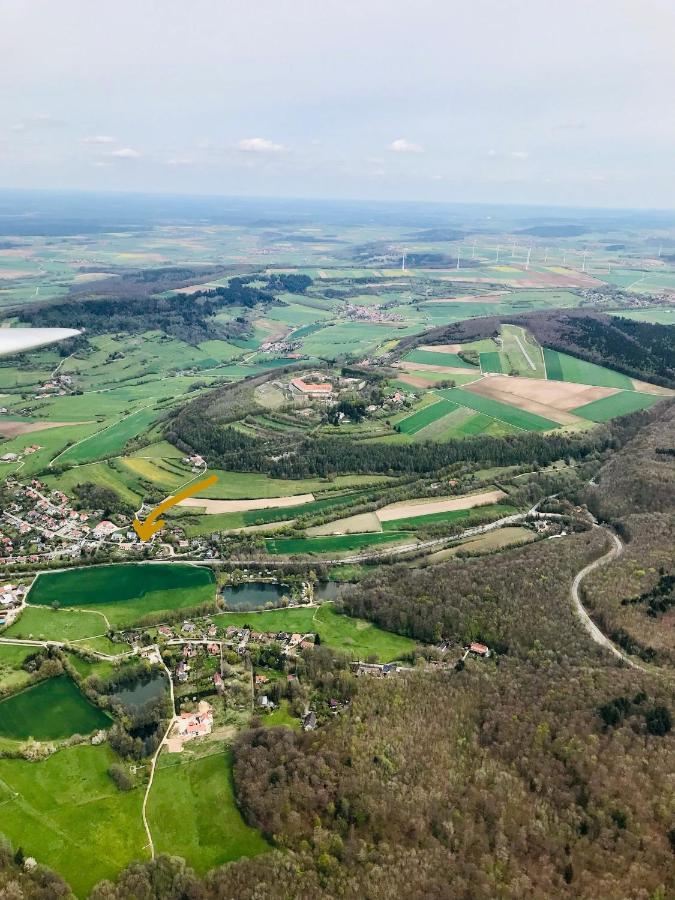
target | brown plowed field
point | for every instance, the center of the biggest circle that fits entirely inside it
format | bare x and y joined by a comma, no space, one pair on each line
551,399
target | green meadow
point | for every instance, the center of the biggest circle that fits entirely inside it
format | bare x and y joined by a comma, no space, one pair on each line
128,591
49,711
562,367
466,516
193,813
353,636
110,440
67,813
423,417
617,405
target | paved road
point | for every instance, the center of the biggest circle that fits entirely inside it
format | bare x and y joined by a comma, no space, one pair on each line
590,626
525,353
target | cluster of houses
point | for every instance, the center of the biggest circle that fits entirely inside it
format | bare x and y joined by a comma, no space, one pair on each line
16,457
59,385
372,313
195,462
11,601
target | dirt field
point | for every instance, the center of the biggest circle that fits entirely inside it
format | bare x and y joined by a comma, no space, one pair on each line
348,525
213,507
648,388
551,399
442,348
14,429
416,381
486,543
442,370
406,509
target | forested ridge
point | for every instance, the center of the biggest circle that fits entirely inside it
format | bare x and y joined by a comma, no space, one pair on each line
199,426
188,317
635,492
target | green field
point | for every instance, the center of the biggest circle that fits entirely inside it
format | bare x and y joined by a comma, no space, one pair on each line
491,510
251,486
617,405
659,315
519,418
491,362
437,358
353,636
44,623
49,711
193,813
126,592
12,676
68,814
111,440
562,367
423,417
335,543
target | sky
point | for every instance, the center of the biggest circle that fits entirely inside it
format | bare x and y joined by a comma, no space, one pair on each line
564,102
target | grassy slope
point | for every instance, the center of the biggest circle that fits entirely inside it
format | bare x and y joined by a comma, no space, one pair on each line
70,816
617,405
193,813
353,636
562,367
331,544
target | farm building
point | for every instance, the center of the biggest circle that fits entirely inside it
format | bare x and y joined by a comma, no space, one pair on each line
322,391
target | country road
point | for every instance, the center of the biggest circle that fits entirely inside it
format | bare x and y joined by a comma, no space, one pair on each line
153,761
590,626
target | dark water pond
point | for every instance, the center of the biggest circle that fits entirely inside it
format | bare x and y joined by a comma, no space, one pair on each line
254,595
138,692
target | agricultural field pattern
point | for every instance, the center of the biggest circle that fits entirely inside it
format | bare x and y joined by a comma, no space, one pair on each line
381,401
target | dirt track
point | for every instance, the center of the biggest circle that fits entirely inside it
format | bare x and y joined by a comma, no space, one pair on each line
423,507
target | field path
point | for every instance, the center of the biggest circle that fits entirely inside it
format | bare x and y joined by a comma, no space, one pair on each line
615,551
153,761
524,352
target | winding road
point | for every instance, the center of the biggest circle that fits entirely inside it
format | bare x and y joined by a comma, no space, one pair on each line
615,551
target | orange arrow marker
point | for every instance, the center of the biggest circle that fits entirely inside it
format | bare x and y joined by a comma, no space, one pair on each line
152,524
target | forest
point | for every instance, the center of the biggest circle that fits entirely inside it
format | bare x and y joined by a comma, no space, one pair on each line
188,317
632,599
540,773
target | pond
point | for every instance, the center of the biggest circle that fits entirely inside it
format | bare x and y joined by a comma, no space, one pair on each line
253,595
136,693
51,710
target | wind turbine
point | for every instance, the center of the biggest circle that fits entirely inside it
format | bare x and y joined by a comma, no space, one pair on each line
473,251
583,265
459,253
529,254
498,249
513,249
403,261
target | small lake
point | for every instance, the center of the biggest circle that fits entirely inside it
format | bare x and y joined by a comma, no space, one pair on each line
138,692
253,595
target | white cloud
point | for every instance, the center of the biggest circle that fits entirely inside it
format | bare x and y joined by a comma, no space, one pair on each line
98,139
126,153
180,161
402,145
260,145
519,154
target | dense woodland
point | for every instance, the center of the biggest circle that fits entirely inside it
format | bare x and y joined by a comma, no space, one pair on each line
638,349
542,772
188,317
